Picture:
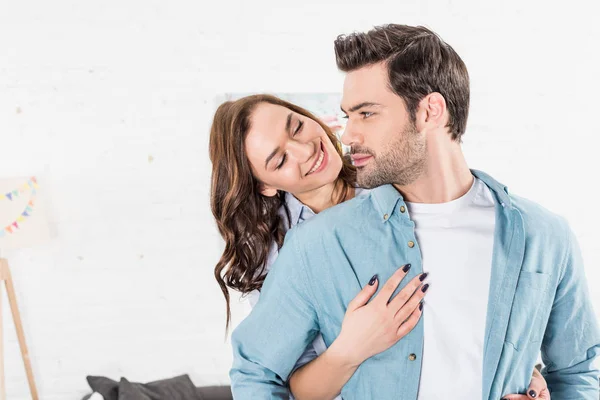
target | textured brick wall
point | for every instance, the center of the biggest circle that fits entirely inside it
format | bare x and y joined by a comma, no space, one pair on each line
110,101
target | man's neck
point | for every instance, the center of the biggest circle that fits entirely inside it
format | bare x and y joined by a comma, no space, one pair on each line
446,177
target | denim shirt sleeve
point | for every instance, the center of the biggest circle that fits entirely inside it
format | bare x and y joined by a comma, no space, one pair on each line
310,353
281,326
273,254
572,338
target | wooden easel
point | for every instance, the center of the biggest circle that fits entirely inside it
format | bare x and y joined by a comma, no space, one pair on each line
10,290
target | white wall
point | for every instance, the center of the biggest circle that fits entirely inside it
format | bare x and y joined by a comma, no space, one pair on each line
126,288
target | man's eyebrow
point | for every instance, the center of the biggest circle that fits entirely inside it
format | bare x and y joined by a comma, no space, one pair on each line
271,156
359,106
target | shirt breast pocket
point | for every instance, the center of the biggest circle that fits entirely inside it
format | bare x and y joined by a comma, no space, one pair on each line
526,323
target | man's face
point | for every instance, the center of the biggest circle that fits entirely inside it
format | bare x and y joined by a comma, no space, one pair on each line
386,146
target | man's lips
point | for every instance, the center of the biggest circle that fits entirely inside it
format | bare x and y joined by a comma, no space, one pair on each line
360,159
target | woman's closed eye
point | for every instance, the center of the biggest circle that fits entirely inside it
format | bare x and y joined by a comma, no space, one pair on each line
296,131
298,128
282,161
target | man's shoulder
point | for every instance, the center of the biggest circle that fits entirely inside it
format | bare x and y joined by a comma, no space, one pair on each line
539,220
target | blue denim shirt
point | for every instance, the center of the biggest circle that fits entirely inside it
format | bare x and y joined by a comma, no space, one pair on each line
538,300
298,213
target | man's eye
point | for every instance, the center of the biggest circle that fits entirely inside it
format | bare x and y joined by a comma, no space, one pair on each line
365,114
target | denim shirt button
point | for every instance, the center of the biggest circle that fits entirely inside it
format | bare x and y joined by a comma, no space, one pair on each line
412,357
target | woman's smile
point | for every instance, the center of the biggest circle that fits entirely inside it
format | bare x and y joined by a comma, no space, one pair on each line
321,161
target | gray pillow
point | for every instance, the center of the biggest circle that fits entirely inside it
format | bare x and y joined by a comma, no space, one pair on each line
177,388
215,393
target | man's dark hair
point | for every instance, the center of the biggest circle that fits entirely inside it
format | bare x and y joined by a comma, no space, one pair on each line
419,63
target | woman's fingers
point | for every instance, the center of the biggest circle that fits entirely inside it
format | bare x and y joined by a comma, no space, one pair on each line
416,301
538,386
538,389
413,292
364,295
543,395
411,322
388,288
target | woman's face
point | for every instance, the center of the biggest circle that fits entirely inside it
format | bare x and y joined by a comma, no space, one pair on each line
289,151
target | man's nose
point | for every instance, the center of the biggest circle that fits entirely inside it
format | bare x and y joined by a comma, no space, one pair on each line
351,135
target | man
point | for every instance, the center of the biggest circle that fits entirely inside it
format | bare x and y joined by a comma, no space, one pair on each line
507,275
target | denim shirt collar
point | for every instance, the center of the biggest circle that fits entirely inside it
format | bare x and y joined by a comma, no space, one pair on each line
387,198
499,189
298,211
301,212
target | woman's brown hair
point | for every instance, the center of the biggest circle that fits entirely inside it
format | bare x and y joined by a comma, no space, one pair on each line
248,221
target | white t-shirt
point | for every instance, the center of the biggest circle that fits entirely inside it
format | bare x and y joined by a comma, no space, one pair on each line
456,240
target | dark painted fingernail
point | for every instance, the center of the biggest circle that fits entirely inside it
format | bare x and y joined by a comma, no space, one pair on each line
532,393
420,306
406,267
423,276
504,398
425,287
373,280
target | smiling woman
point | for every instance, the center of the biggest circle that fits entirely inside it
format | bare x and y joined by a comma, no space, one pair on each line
261,148
300,160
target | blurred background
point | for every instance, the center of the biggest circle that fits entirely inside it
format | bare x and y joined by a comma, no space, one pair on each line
109,104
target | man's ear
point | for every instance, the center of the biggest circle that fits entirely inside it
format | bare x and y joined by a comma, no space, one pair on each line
431,113
268,191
